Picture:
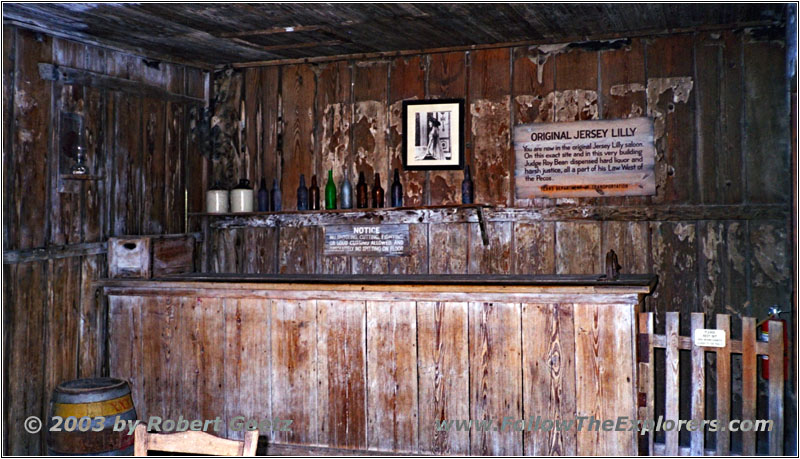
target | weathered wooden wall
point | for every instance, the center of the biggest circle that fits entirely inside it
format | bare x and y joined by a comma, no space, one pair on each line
373,370
54,230
717,233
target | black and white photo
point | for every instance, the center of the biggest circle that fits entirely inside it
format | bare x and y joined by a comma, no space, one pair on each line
433,134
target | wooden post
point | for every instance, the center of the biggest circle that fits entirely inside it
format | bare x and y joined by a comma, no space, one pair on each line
698,386
724,386
776,387
749,384
672,396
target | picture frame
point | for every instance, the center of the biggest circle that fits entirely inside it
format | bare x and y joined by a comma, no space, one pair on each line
433,134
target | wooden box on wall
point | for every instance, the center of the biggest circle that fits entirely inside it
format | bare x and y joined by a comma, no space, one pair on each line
143,257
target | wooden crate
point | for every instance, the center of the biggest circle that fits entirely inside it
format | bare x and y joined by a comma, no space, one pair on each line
143,257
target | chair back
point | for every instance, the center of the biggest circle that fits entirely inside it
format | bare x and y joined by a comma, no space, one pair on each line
193,442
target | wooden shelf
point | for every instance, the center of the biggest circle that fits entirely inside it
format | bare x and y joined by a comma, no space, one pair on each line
342,212
396,215
80,177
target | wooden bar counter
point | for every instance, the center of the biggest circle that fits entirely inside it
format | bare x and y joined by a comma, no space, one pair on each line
373,363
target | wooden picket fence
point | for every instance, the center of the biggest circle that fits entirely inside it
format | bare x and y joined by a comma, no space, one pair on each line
748,347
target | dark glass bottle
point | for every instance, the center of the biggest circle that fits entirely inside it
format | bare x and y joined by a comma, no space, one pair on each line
263,196
467,188
397,190
302,194
362,195
377,193
330,192
276,197
313,194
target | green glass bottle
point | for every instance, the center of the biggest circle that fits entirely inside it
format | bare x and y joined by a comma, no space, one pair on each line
330,192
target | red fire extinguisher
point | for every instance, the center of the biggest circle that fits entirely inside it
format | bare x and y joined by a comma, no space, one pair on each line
773,314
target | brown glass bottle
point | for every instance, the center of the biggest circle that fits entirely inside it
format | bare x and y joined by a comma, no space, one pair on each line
377,193
362,195
313,194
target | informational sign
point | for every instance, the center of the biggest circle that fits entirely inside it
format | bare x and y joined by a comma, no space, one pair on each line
585,159
366,240
708,337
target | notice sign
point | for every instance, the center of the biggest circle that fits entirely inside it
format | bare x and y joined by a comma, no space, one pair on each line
709,337
366,240
585,158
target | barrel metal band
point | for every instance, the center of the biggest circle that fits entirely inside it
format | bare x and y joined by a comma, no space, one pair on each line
94,409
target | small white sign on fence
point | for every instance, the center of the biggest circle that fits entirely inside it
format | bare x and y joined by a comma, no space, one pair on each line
708,337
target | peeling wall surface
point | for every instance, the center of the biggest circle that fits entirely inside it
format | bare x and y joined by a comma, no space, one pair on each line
719,105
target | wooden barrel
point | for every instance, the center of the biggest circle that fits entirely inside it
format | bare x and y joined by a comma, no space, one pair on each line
79,408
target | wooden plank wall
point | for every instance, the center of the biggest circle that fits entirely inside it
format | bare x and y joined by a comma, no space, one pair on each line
358,375
721,111
52,324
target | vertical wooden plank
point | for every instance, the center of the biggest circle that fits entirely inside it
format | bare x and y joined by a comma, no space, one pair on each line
294,374
25,322
776,381
672,394
61,323
718,76
698,400
334,114
443,369
578,248
247,360
631,242
201,323
495,382
161,320
407,81
723,269
765,121
370,146
370,112
489,107
623,81
9,69
548,365
175,169
533,90
676,179
90,348
253,112
259,247
646,377
127,155
447,79
31,119
153,163
329,264
448,248
65,197
417,260
296,250
534,248
603,385
392,423
125,350
749,382
95,205
674,257
341,374
297,98
497,257
724,386
267,138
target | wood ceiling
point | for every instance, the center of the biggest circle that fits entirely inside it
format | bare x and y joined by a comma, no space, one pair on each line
226,33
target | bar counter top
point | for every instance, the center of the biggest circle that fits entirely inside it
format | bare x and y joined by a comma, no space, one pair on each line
629,283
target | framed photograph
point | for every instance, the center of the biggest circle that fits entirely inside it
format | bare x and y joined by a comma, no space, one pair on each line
433,134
